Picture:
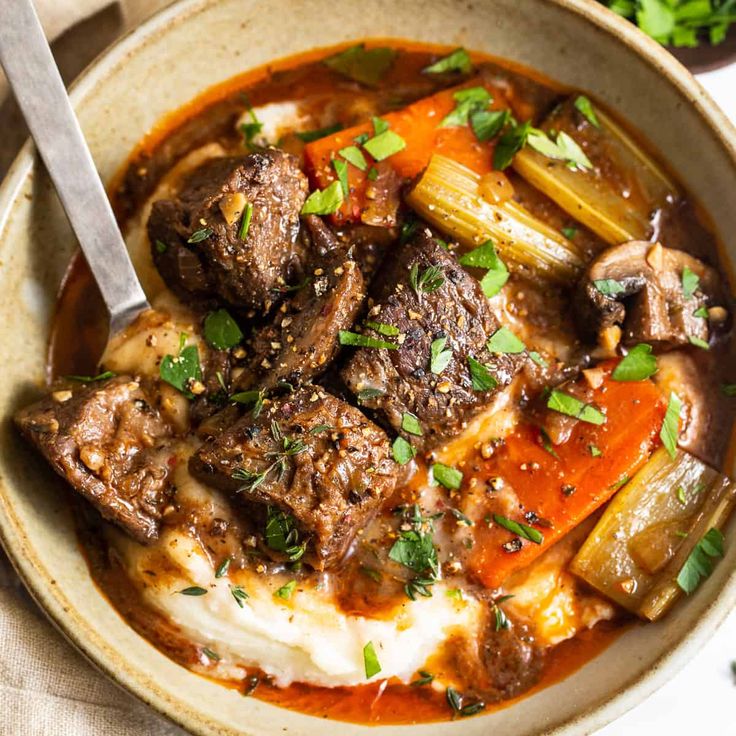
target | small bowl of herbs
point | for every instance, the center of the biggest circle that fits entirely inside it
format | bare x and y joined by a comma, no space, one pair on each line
700,33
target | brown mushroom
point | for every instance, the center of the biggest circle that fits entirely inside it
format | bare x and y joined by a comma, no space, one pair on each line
635,292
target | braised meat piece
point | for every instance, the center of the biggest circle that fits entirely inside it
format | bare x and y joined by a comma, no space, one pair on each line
310,456
302,340
110,444
426,296
201,246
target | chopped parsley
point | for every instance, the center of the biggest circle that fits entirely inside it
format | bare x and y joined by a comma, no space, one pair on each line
383,329
670,431
487,124
402,451
447,476
637,365
410,424
485,256
504,341
701,312
324,201
245,219
248,398
221,330
690,283
521,530
701,561
341,170
467,101
564,403
183,370
384,144
585,107
538,359
370,660
509,144
161,247
415,550
728,389
364,341
569,232
367,66
698,342
286,591
353,155
439,356
609,287
480,376
251,128
562,148
457,61
199,235
595,451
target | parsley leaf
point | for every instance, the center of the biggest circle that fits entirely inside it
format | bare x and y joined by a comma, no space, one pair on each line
585,107
221,330
314,135
285,591
364,341
609,287
690,283
670,431
324,201
698,342
282,535
355,156
92,379
504,341
439,356
485,256
509,144
480,376
341,169
367,66
467,101
487,124
701,561
183,370
564,403
563,148
410,424
402,451
370,660
384,145
521,530
383,329
447,476
638,364
457,61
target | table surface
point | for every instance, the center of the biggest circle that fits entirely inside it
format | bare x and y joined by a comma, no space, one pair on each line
703,694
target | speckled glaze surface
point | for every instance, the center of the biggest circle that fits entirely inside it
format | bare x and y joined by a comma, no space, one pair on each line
162,65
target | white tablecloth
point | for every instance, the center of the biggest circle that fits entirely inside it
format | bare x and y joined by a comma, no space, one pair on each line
47,689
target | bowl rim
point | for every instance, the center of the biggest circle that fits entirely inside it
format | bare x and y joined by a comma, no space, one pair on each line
51,599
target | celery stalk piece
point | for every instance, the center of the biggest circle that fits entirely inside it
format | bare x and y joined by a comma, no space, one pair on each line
620,198
450,196
638,547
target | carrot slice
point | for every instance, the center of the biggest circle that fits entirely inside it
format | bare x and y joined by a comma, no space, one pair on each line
563,489
418,125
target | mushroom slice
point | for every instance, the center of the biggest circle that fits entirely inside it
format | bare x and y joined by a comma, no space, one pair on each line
654,294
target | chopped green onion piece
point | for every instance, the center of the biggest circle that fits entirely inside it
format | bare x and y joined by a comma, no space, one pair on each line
245,219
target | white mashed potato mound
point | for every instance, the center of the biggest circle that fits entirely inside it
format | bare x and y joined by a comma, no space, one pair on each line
305,638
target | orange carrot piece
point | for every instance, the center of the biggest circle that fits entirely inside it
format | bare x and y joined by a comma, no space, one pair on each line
563,491
418,125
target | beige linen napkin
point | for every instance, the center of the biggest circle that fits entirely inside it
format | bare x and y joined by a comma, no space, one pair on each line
46,687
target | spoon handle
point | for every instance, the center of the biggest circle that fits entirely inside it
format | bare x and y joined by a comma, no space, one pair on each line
26,58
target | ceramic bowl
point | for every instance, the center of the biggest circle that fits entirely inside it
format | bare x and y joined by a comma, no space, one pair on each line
162,65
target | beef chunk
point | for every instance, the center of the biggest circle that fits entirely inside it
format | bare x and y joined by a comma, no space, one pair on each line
195,239
456,310
303,338
310,456
110,444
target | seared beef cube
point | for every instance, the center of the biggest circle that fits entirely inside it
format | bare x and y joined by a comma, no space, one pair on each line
311,456
110,444
304,336
196,238
443,301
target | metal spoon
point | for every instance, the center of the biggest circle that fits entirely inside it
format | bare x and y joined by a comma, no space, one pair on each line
26,58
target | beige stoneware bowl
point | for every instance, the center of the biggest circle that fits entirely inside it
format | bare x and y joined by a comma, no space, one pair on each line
161,66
